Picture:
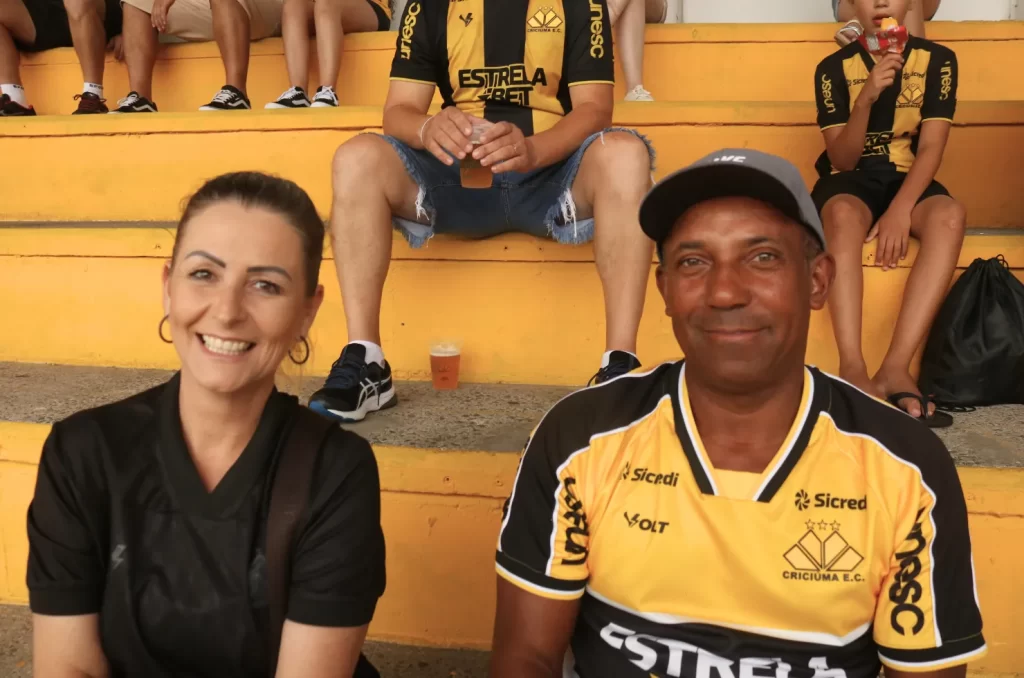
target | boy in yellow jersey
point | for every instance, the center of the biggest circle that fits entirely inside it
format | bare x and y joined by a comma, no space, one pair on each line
534,78
736,514
886,119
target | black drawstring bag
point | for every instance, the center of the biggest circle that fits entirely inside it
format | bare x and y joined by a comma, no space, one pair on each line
975,351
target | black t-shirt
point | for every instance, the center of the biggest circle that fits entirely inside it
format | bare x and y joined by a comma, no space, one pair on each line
121,525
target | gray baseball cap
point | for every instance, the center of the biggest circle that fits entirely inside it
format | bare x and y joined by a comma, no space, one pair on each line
732,172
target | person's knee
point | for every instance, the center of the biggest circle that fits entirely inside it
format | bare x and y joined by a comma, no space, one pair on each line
331,7
358,167
619,158
842,213
951,217
81,9
235,6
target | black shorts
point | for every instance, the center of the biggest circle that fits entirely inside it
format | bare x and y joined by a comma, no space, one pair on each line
52,28
51,22
383,20
876,189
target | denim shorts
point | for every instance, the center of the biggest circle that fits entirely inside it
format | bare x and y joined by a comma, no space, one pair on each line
835,9
539,203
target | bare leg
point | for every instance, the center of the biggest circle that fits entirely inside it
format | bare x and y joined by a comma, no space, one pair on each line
847,221
15,24
89,36
613,178
370,184
919,12
10,59
333,19
939,223
140,48
627,17
655,11
846,11
295,33
231,30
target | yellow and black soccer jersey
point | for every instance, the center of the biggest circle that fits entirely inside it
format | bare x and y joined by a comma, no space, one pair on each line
850,550
925,89
506,60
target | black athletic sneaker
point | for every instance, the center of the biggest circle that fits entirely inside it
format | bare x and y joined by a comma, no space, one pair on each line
135,103
90,104
325,97
9,108
355,388
619,363
293,98
228,99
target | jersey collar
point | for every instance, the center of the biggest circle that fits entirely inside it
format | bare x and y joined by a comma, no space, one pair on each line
786,459
240,479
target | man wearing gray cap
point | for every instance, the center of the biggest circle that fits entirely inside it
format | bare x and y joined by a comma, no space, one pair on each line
735,514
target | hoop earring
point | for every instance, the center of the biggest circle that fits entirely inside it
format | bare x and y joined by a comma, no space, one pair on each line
305,355
160,331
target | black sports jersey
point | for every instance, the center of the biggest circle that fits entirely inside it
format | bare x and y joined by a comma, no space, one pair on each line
925,89
851,547
122,525
506,60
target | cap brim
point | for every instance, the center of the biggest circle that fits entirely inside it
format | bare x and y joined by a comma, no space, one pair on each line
677,193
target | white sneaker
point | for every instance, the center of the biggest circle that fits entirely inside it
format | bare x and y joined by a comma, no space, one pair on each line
325,98
638,93
293,98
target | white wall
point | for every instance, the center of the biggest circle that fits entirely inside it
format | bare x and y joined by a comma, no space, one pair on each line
795,11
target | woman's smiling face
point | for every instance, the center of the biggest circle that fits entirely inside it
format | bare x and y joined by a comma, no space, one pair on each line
235,295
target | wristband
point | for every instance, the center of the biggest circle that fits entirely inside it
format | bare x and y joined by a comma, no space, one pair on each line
423,127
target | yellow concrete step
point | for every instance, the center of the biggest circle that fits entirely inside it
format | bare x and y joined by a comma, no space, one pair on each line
691,62
138,168
447,462
91,296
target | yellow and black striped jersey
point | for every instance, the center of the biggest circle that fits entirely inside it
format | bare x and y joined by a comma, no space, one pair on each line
925,89
849,551
506,60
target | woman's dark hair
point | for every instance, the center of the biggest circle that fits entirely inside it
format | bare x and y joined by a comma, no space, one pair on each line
254,189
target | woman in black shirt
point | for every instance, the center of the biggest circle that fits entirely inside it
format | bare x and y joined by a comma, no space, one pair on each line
147,531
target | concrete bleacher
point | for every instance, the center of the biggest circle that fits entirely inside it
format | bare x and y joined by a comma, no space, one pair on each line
86,222
692,62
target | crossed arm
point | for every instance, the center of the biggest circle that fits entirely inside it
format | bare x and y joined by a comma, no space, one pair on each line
70,647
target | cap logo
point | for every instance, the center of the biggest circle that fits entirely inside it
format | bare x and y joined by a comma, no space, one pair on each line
731,158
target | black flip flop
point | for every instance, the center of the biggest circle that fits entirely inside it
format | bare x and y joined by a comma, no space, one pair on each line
938,420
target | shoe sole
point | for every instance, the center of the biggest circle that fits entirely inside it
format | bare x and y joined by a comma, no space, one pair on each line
387,400
144,110
321,104
274,106
211,109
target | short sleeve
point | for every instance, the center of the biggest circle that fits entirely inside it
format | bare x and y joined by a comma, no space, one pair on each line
588,43
415,57
831,93
66,571
940,86
338,569
544,538
928,617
